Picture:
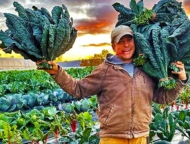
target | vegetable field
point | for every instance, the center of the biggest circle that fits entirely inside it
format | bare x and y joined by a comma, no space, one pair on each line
34,109
38,111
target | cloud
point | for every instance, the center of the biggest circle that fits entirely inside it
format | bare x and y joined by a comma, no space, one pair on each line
99,18
5,3
100,21
97,45
1,16
186,5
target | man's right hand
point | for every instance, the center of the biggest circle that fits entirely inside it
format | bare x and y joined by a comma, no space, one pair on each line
51,71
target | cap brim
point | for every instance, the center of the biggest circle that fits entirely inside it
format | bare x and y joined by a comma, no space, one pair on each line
118,37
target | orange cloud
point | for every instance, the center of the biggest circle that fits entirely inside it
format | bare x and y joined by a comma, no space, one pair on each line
186,6
93,27
101,22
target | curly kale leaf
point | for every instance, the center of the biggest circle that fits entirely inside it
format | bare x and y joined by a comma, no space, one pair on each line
126,15
21,11
44,41
45,12
71,42
37,35
144,47
62,39
18,30
7,40
56,13
51,41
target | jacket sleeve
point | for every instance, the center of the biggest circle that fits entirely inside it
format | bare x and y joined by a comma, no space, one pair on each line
164,96
88,86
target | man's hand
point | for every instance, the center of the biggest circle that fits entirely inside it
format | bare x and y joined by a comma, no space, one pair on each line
181,74
51,71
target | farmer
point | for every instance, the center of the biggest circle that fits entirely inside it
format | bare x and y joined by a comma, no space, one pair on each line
124,92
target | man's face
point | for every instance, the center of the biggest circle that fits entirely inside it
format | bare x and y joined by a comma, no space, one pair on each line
125,48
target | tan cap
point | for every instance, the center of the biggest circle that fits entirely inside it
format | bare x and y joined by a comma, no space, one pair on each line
120,31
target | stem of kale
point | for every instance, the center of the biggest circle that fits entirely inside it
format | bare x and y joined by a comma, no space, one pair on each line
45,65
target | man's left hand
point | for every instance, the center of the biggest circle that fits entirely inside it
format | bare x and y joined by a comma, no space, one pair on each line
181,74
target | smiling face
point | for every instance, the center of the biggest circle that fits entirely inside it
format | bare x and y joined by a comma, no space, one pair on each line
125,48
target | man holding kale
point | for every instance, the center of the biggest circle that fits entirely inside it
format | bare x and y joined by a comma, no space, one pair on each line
124,91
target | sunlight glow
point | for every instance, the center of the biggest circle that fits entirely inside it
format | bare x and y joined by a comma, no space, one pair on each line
80,52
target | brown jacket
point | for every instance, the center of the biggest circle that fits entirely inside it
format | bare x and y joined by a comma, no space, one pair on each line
124,102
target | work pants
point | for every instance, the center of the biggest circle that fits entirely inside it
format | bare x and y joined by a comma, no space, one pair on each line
140,140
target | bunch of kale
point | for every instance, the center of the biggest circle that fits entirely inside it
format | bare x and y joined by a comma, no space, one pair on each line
159,40
36,34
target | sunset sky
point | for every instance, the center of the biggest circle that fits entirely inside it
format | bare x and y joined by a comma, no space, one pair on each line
94,20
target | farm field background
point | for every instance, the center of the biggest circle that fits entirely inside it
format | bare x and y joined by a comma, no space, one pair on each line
38,111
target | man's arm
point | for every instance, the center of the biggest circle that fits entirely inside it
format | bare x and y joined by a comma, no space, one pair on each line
164,96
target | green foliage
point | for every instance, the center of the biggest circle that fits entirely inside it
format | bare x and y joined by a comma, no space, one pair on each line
18,92
168,83
138,14
37,35
23,81
37,125
163,125
185,95
10,134
143,17
34,125
80,73
5,104
85,120
162,142
140,60
174,68
86,132
162,40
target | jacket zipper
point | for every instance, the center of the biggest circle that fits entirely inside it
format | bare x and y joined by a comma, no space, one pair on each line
120,68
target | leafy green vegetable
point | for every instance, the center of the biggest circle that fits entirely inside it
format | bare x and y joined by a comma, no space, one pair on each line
37,35
5,104
10,134
140,60
29,100
85,105
137,15
16,101
159,40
